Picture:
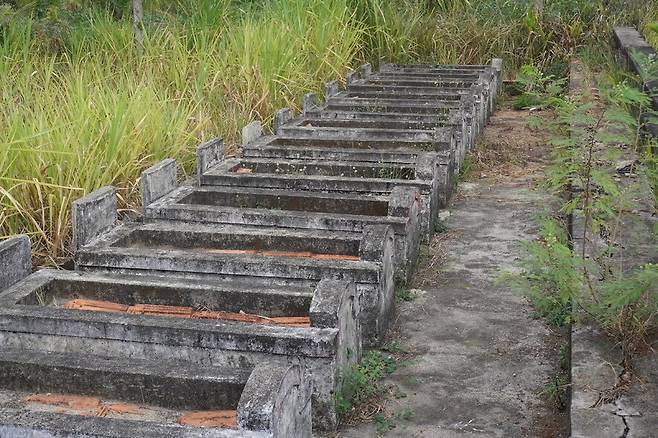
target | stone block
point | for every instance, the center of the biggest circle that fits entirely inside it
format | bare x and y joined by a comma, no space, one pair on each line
282,117
157,181
209,155
93,215
15,260
331,89
251,132
310,103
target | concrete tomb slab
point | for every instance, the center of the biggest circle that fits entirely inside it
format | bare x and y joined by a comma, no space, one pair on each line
229,251
431,174
400,209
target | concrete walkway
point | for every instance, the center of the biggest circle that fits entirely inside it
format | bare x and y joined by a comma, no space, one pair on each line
479,361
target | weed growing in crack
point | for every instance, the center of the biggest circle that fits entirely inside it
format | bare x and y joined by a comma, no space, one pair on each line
404,295
406,414
383,424
556,391
564,357
440,227
361,383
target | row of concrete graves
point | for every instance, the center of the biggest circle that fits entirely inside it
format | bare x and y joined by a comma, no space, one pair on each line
234,305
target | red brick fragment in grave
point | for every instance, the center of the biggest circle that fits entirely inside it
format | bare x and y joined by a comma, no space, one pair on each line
96,305
157,309
223,419
78,404
188,312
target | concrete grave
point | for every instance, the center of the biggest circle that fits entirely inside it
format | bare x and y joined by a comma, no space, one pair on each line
15,260
233,324
430,173
78,395
400,209
230,252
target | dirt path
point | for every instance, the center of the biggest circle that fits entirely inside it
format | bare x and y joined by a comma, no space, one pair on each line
478,360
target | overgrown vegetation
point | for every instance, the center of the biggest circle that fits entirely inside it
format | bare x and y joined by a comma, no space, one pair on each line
80,108
594,277
364,395
362,382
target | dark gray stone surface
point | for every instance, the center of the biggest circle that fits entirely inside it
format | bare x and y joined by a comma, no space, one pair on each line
251,132
15,260
209,154
157,181
93,215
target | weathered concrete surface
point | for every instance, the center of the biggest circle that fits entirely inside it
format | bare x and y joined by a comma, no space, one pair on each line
93,214
157,181
15,260
633,53
274,402
480,361
595,370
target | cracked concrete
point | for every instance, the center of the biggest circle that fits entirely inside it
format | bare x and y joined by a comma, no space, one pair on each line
596,369
480,361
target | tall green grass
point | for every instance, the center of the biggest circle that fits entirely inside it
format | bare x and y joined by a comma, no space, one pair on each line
90,113
79,109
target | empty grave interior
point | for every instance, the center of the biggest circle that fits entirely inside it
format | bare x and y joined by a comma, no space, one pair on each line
406,82
383,124
170,392
410,93
374,142
172,299
241,243
293,202
346,169
378,105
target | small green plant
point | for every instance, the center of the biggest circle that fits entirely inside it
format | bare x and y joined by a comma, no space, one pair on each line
404,295
550,278
424,253
440,227
406,414
398,393
467,169
383,424
363,381
556,391
564,357
393,347
539,90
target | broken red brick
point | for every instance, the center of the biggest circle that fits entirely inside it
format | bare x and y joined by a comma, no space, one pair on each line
95,305
79,404
157,309
187,312
223,419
